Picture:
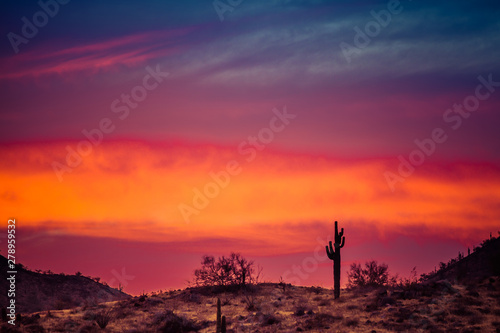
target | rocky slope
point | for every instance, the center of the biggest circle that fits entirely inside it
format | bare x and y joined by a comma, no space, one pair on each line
36,291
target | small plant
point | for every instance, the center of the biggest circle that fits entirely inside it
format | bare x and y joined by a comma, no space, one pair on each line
270,319
301,310
175,324
103,318
282,284
352,322
321,321
316,290
324,302
249,300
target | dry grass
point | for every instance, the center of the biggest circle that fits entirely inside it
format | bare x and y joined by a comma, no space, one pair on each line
269,309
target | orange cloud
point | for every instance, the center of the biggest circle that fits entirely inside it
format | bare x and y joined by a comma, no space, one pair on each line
132,190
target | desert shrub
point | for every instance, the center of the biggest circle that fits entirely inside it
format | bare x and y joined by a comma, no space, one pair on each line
103,318
67,326
225,271
89,315
192,297
301,310
316,290
372,275
325,302
250,301
121,312
153,301
408,283
172,323
352,322
270,319
88,328
321,320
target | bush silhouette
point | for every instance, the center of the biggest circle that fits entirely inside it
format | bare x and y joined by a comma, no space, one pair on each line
103,318
372,275
225,271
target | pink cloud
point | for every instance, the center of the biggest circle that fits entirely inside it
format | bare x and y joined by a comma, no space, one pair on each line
129,50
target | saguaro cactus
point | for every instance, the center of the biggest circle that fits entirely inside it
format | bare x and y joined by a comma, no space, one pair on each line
219,321
333,253
223,325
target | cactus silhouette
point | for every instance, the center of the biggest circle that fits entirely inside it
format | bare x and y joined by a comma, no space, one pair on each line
223,325
219,321
333,253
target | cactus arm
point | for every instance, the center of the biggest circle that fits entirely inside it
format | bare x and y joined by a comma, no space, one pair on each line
330,252
341,232
342,244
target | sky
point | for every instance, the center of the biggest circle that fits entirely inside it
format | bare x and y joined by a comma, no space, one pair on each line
136,137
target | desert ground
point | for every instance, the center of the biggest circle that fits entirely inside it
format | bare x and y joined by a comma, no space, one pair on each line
432,307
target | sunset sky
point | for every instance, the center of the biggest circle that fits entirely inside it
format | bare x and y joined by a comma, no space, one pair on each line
138,136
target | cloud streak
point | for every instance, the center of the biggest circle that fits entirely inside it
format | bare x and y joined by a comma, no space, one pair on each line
143,193
132,50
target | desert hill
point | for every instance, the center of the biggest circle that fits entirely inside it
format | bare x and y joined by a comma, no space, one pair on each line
37,291
481,263
445,301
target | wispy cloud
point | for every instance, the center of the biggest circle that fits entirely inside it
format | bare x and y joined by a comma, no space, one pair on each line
132,50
